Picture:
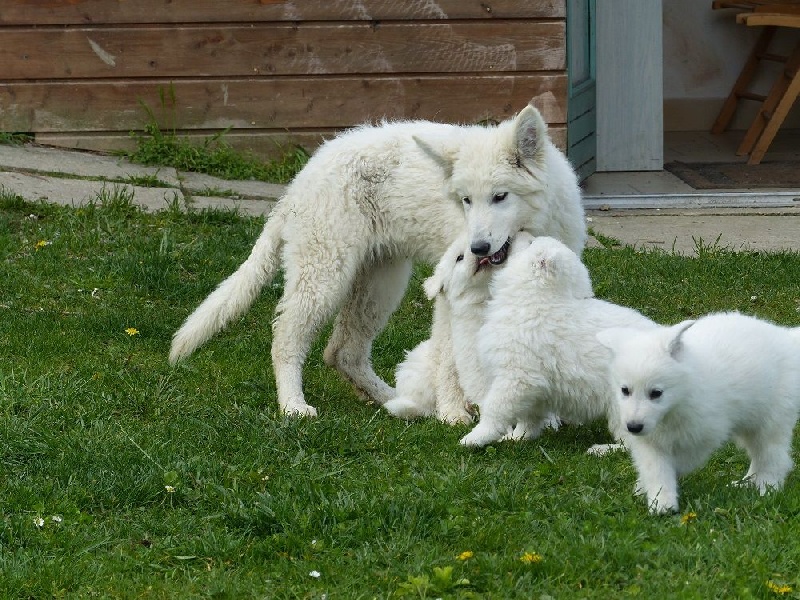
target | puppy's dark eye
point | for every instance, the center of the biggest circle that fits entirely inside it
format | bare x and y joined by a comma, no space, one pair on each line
499,197
655,394
466,200
459,258
626,391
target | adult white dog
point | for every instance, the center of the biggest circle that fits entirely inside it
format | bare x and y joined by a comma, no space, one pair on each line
685,390
539,346
367,204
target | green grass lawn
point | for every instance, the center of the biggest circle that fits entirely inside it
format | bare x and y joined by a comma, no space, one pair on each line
122,477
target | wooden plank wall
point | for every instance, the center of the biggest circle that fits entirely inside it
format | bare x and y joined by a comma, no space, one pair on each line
84,73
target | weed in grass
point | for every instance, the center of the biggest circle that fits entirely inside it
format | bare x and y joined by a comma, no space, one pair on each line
15,138
213,156
124,477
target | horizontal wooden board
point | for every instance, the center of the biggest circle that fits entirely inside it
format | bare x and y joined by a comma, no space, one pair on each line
268,49
281,103
266,145
98,12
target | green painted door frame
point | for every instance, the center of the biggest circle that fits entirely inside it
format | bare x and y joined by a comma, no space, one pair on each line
581,104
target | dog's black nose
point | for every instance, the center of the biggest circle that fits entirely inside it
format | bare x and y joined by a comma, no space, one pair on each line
480,248
635,427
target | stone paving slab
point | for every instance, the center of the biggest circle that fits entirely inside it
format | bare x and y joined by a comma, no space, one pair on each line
767,230
78,164
201,184
77,192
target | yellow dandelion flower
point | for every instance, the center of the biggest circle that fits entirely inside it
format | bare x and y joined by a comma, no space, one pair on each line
41,244
132,331
689,517
467,554
779,589
531,558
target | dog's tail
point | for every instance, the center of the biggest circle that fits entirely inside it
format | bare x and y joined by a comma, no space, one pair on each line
234,296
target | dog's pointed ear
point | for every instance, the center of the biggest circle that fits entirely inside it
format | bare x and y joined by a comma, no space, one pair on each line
612,337
675,345
442,157
530,132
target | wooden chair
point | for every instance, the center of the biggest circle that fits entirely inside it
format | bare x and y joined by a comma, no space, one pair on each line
769,14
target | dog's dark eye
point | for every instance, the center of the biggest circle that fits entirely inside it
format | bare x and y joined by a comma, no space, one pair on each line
459,258
655,394
466,200
499,197
626,391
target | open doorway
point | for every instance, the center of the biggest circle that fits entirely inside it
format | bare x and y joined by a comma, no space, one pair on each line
663,71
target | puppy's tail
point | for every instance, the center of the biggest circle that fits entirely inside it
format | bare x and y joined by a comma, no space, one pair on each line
234,296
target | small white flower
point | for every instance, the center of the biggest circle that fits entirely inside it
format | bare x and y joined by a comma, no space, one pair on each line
170,489
315,574
56,519
39,522
753,298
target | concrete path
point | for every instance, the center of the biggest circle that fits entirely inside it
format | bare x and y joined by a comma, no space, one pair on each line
74,178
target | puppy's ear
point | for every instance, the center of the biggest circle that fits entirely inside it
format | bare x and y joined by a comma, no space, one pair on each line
530,132
442,157
675,345
613,337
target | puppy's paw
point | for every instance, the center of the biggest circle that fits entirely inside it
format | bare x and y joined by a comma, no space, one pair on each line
603,449
480,436
405,408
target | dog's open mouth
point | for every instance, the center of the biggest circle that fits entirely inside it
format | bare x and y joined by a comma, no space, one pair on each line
498,258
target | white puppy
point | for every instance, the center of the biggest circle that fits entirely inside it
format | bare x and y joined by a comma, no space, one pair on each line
539,344
443,374
685,390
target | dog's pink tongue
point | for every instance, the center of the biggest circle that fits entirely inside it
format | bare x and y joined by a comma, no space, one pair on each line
484,261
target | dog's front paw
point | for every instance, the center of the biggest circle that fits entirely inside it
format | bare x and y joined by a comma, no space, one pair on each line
603,449
299,409
662,504
481,436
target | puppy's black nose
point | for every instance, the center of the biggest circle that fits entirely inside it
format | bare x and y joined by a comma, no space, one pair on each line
480,248
635,427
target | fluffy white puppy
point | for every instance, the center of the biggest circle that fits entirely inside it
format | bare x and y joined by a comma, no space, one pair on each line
684,390
444,374
539,346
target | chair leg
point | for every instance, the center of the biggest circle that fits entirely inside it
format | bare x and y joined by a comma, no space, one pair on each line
743,81
781,110
776,93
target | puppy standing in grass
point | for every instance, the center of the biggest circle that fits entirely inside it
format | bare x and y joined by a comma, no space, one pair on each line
365,206
538,344
685,390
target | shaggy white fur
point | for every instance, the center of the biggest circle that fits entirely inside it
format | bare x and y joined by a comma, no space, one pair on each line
368,203
443,374
539,344
682,391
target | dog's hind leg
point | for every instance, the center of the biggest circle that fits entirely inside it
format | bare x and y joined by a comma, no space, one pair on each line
315,287
376,294
770,458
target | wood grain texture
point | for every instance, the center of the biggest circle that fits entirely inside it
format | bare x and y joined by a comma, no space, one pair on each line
100,12
269,49
284,103
264,144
